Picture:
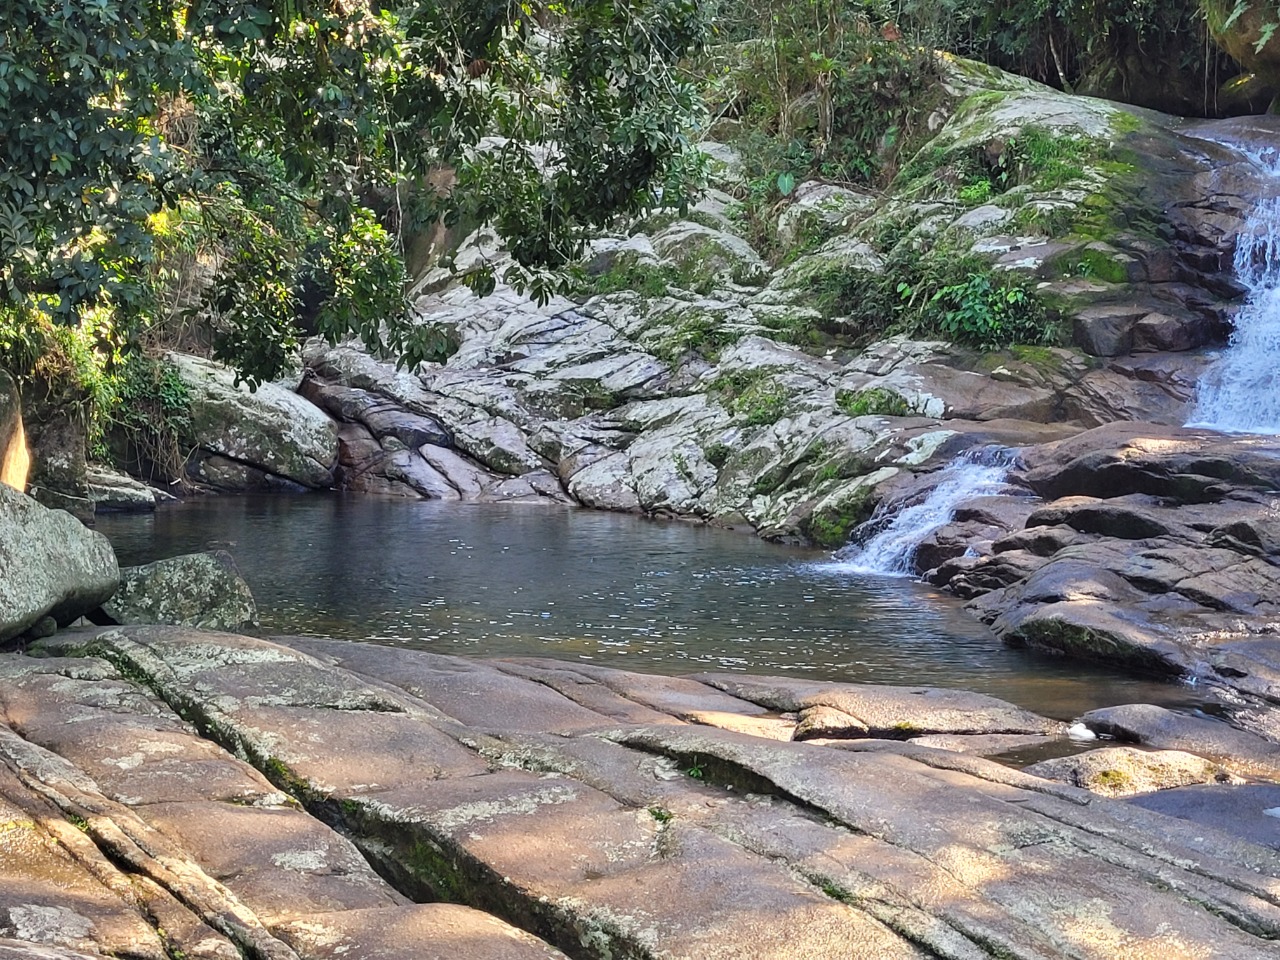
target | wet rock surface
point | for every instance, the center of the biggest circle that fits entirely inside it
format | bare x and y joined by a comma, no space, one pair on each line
532,807
1151,547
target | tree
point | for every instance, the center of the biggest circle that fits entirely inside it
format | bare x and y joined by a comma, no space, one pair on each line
289,142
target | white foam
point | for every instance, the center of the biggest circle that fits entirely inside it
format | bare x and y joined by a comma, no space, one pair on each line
891,552
1240,393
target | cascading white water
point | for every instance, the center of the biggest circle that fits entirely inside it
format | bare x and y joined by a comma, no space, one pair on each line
1240,393
891,551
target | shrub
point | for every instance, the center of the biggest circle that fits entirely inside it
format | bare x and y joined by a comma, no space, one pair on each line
876,401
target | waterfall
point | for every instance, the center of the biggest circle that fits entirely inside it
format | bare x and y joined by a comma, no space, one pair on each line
1240,393
890,551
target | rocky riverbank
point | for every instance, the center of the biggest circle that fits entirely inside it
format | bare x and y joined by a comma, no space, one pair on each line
173,790
710,383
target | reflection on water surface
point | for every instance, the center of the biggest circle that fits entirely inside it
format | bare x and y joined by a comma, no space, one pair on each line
661,597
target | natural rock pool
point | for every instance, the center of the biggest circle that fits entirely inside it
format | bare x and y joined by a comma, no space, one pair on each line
660,597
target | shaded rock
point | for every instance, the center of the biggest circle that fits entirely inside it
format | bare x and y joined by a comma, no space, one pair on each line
55,419
1125,772
360,457
969,577
197,590
1041,540
1151,726
1184,465
1127,518
227,474
111,490
1248,811
1092,626
50,565
382,416
1256,535
1160,332
1107,331
271,430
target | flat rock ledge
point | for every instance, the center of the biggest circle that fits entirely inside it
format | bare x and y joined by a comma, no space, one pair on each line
169,792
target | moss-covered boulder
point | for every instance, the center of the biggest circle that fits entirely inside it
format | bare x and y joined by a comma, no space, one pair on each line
251,436
199,590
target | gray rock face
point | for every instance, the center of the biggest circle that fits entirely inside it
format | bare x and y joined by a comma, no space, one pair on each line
1155,549
270,432
847,710
51,565
197,590
1248,811
55,435
820,208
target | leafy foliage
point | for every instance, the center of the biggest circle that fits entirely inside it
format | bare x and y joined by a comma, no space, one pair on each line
1152,52
754,396
941,292
876,401
985,313
148,418
825,88
298,139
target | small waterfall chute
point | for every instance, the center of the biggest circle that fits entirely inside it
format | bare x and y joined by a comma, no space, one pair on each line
1240,393
888,541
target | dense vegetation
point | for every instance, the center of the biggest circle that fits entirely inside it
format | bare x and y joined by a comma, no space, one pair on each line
258,166
234,176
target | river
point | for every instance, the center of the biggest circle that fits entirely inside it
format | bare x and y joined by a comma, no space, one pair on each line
611,589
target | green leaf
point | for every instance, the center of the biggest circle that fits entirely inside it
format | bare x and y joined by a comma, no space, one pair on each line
786,183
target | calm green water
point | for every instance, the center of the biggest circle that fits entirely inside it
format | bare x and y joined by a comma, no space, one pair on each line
660,597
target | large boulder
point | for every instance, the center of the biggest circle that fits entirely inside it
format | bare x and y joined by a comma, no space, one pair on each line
271,432
197,590
819,209
51,565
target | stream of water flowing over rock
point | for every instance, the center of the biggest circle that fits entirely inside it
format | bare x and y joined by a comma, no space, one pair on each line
890,548
1241,392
